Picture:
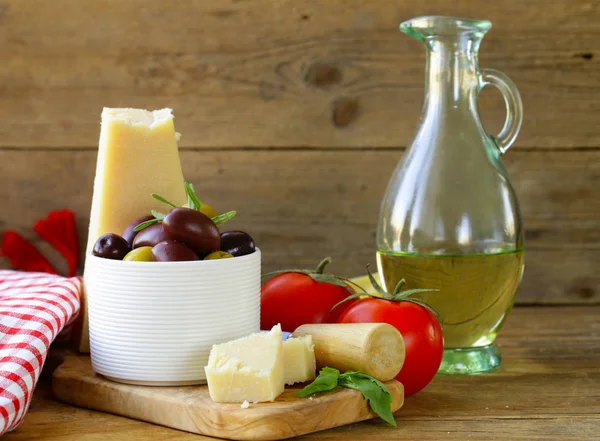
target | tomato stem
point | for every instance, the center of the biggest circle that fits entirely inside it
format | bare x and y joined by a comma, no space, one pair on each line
322,264
399,286
376,285
396,296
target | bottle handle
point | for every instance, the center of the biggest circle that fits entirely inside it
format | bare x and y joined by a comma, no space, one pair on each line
514,106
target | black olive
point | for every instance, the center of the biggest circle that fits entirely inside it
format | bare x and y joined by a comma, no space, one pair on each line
111,246
150,236
237,243
193,228
129,234
172,251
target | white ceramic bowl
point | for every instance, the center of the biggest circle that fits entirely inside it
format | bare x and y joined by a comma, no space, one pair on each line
154,323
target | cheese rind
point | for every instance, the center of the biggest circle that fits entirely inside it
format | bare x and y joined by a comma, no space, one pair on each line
247,369
137,156
299,360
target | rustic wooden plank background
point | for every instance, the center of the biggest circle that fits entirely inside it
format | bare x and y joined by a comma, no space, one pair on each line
295,113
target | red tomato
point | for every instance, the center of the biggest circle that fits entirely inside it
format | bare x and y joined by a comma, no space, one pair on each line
422,334
294,299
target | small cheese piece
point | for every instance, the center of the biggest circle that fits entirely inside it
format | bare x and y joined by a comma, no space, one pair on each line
137,156
248,369
299,360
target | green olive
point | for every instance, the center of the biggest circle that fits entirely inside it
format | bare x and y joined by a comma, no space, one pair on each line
218,255
141,254
206,209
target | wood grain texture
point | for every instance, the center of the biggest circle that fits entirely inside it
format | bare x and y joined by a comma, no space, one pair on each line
547,388
295,116
191,408
304,205
282,74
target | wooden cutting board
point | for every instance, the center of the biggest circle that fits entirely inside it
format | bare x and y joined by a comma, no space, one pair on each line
191,409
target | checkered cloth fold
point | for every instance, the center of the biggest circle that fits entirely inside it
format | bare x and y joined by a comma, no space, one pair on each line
34,309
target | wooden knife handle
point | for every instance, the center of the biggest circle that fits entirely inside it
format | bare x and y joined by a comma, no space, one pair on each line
376,349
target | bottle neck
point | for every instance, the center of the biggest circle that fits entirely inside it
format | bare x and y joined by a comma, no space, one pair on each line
452,75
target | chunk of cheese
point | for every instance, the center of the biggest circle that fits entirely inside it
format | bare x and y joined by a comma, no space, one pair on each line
247,369
299,360
137,156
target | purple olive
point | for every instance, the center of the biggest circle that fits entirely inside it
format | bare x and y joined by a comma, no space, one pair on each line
111,246
150,236
237,243
129,234
193,228
172,251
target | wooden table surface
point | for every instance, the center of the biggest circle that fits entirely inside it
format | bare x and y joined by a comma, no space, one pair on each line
548,387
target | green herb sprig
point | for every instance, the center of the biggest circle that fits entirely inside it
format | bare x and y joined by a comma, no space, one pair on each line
374,391
222,218
193,203
158,217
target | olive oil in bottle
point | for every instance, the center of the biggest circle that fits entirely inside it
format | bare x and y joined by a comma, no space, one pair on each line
475,291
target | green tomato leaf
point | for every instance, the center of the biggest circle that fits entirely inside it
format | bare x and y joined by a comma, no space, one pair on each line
376,285
222,218
327,380
355,286
350,297
398,287
402,295
374,391
328,278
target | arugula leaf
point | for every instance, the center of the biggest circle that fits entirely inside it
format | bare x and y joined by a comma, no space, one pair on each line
374,391
329,278
327,380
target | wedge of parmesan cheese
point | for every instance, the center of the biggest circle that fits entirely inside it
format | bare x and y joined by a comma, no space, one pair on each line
137,156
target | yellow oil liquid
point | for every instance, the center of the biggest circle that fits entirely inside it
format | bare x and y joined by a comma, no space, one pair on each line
475,291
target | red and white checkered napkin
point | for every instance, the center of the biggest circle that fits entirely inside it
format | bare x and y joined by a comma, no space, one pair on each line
34,309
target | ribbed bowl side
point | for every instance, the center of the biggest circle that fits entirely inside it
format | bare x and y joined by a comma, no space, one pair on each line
156,322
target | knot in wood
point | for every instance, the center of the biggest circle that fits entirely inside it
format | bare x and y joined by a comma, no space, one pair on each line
584,292
323,75
345,111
